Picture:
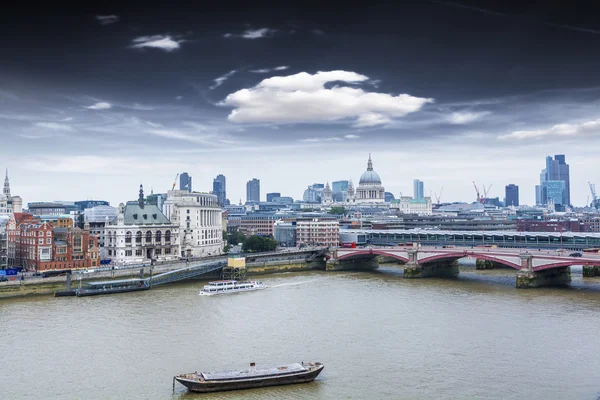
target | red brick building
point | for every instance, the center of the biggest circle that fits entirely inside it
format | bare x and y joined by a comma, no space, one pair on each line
39,246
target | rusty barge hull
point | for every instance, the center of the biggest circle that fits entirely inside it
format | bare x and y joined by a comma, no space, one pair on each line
208,386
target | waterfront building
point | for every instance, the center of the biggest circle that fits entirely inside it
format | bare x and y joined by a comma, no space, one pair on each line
370,189
185,182
284,232
258,223
39,246
199,219
512,195
318,232
418,189
141,233
220,189
253,191
98,217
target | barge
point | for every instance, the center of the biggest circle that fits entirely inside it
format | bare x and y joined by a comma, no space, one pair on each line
205,382
111,287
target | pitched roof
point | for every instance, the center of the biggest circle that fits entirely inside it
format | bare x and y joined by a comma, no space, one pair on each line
150,214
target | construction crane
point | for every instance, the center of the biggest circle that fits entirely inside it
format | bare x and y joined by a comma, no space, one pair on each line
437,198
477,191
594,197
175,181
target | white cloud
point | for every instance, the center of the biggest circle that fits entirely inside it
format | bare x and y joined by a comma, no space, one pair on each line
178,97
219,81
466,117
107,19
351,136
325,139
53,126
267,70
588,127
164,42
302,98
173,134
257,33
100,106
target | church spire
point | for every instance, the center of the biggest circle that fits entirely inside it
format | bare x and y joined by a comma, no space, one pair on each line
141,197
6,190
370,164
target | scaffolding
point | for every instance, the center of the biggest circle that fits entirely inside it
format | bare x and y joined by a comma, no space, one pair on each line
235,269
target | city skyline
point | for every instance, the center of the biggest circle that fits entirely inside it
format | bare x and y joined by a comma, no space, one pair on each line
99,101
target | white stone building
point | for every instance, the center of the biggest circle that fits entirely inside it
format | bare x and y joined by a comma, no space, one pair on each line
199,218
318,232
141,233
408,205
370,190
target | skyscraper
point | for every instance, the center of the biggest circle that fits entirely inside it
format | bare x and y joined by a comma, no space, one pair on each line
185,182
557,170
220,189
418,189
253,190
512,195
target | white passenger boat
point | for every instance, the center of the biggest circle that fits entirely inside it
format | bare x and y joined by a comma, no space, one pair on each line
224,287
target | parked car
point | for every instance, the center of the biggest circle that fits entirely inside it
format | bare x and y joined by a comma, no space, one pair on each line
576,254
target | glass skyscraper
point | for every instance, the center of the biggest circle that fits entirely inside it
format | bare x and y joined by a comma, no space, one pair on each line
557,170
253,191
418,190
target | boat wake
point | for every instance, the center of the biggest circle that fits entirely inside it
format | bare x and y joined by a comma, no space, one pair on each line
291,284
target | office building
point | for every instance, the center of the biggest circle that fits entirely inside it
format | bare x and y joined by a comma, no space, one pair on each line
253,191
185,182
272,196
556,170
220,189
418,189
511,195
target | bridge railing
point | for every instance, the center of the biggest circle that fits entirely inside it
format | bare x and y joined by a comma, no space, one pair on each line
188,272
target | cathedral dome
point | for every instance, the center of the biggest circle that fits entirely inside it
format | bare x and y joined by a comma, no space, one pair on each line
370,177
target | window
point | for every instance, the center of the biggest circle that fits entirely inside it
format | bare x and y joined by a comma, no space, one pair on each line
138,237
128,253
48,233
168,250
42,241
128,237
48,241
41,233
148,237
158,237
168,237
138,252
77,244
158,252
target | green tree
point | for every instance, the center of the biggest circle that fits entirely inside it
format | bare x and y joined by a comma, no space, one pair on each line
256,243
337,210
236,238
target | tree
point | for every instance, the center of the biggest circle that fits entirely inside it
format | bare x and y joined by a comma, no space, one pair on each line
259,243
337,210
236,238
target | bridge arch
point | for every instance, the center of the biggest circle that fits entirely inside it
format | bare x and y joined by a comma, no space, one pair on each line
372,252
568,263
479,256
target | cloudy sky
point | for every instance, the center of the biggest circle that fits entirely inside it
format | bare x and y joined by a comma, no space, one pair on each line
94,102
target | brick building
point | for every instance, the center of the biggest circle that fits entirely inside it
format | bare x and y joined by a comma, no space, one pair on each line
318,232
39,246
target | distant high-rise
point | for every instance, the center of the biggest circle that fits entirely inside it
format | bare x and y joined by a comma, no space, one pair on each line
220,189
512,195
271,196
418,190
557,170
185,182
339,186
253,190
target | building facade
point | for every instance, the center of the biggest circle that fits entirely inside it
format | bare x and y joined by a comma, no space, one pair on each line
408,205
257,223
318,232
199,219
556,170
253,191
285,233
511,195
141,233
272,196
39,246
220,189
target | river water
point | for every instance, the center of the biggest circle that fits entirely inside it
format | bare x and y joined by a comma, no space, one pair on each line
379,336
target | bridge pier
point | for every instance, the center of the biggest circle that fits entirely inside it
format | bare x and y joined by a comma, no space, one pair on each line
438,269
352,264
590,271
527,278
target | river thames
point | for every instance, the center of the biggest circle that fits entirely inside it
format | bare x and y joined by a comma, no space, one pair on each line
379,336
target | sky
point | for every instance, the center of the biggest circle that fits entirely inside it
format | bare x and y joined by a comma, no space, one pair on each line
95,101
